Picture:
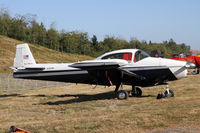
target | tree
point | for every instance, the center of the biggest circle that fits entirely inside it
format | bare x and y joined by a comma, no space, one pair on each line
94,41
52,38
42,34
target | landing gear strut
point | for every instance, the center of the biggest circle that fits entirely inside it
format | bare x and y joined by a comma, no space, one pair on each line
121,94
168,93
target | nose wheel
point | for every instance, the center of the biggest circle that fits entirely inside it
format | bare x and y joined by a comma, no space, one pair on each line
168,93
196,71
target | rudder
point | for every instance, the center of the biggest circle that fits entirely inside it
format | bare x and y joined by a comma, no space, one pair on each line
23,56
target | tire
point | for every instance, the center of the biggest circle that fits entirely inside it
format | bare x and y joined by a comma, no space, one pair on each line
122,95
171,93
137,92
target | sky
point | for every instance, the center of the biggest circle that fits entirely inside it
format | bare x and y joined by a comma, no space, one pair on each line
155,20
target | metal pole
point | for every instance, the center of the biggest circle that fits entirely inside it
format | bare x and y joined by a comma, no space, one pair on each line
36,84
16,83
8,82
23,85
46,84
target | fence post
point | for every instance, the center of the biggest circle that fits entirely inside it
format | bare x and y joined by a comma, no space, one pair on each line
23,85
16,81
47,84
8,82
36,84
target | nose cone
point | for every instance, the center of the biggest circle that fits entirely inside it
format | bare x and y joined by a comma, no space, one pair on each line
190,65
178,68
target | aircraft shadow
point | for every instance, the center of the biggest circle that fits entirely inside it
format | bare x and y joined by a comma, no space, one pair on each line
84,98
146,96
9,95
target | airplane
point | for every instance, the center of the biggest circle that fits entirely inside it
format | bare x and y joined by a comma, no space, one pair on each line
195,59
117,68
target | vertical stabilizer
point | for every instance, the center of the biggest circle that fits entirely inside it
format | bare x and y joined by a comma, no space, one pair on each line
23,56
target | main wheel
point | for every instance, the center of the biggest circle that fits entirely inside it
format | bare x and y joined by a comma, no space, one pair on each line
137,92
170,94
122,95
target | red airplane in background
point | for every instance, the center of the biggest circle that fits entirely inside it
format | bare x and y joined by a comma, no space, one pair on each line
189,58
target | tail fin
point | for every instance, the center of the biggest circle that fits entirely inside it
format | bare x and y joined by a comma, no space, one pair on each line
23,56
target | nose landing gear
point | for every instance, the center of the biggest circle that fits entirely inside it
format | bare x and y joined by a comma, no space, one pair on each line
196,71
168,93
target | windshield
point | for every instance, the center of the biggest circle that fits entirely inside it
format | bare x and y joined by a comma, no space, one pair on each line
139,55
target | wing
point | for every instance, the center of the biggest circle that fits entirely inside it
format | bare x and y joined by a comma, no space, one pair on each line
106,65
95,65
100,64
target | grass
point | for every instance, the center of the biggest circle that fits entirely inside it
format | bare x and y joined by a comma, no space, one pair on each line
41,54
78,108
90,127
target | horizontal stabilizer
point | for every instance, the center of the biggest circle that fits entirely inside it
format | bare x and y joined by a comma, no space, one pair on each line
34,68
28,68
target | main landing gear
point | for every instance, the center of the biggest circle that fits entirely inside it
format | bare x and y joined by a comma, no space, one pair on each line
123,94
136,91
168,93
